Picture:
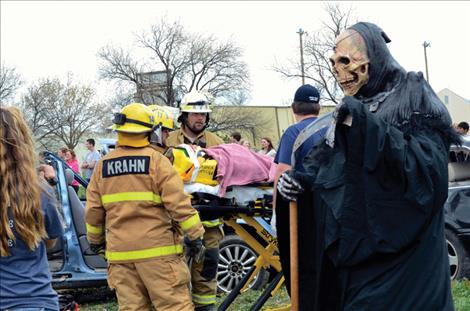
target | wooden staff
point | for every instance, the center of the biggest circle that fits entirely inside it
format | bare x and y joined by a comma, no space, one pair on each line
294,252
307,132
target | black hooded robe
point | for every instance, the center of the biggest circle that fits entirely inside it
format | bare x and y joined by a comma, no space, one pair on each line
371,224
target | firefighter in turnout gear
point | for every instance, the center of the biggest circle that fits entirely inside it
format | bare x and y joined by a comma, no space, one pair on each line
163,125
194,118
136,209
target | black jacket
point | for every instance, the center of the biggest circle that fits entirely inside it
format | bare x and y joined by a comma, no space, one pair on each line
371,225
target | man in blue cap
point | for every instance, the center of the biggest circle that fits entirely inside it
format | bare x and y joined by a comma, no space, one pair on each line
306,107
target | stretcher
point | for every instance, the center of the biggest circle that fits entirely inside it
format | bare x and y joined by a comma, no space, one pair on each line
241,207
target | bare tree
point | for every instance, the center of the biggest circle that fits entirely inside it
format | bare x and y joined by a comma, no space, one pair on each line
238,98
119,66
78,114
37,103
10,81
317,49
61,112
215,67
188,61
123,95
227,119
168,43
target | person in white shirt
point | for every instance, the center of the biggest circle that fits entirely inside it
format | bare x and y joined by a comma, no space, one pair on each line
267,147
90,159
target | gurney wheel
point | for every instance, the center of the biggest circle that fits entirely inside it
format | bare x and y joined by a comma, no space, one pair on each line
235,259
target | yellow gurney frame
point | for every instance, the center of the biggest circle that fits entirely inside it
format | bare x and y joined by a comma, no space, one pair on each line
267,255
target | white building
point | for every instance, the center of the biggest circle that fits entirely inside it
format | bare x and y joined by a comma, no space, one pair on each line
458,107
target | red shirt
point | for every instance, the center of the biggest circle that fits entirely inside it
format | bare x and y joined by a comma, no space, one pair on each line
75,167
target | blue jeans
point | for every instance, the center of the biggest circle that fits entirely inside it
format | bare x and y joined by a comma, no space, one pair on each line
30,309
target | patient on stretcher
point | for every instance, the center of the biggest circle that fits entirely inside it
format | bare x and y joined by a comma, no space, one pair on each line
225,170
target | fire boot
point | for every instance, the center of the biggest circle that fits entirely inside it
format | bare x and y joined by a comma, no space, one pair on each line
211,307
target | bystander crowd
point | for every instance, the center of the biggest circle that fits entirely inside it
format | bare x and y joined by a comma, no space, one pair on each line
462,128
71,160
91,158
267,147
235,138
61,152
246,143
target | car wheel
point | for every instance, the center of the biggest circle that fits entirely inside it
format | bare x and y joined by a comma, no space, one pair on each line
459,262
236,259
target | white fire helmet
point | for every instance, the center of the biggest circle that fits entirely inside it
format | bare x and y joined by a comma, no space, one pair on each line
196,101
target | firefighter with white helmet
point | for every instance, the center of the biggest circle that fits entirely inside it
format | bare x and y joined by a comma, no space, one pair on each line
194,118
134,201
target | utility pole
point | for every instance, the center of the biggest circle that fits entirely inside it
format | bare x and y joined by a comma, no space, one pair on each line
301,32
426,45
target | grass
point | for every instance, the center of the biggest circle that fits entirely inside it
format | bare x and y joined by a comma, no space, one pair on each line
461,295
460,292
81,192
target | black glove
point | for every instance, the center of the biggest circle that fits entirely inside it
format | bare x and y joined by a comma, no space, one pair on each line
289,187
194,249
99,249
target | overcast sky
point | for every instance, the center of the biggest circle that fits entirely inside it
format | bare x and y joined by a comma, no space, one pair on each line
51,38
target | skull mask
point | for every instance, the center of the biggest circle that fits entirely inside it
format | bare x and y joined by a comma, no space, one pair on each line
350,62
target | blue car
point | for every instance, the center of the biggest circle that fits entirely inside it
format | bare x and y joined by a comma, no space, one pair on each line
72,263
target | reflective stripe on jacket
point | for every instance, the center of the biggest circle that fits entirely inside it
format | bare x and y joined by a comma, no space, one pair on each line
211,223
135,200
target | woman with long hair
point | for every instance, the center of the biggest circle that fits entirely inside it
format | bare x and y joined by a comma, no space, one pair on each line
71,160
267,147
28,219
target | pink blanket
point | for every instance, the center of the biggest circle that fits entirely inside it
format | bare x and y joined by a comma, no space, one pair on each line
236,165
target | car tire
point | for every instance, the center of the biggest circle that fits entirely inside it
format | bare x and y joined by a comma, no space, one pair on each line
236,258
459,262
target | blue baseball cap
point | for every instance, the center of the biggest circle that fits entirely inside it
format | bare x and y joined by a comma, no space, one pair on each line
307,94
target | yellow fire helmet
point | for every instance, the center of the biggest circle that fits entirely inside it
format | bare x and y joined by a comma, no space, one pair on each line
196,101
162,117
134,118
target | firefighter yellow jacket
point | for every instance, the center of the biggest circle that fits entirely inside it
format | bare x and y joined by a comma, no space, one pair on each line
160,149
135,200
204,140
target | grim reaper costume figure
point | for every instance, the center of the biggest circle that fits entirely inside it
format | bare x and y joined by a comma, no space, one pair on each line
371,223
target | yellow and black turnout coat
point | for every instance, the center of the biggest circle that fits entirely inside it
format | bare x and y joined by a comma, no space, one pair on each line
136,203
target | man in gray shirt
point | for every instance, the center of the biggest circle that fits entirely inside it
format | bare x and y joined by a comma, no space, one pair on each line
91,158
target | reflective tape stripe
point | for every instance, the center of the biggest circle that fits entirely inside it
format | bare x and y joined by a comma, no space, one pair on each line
145,253
93,229
190,222
131,196
211,223
204,299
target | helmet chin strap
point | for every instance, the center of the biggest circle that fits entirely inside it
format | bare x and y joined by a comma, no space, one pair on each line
156,136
